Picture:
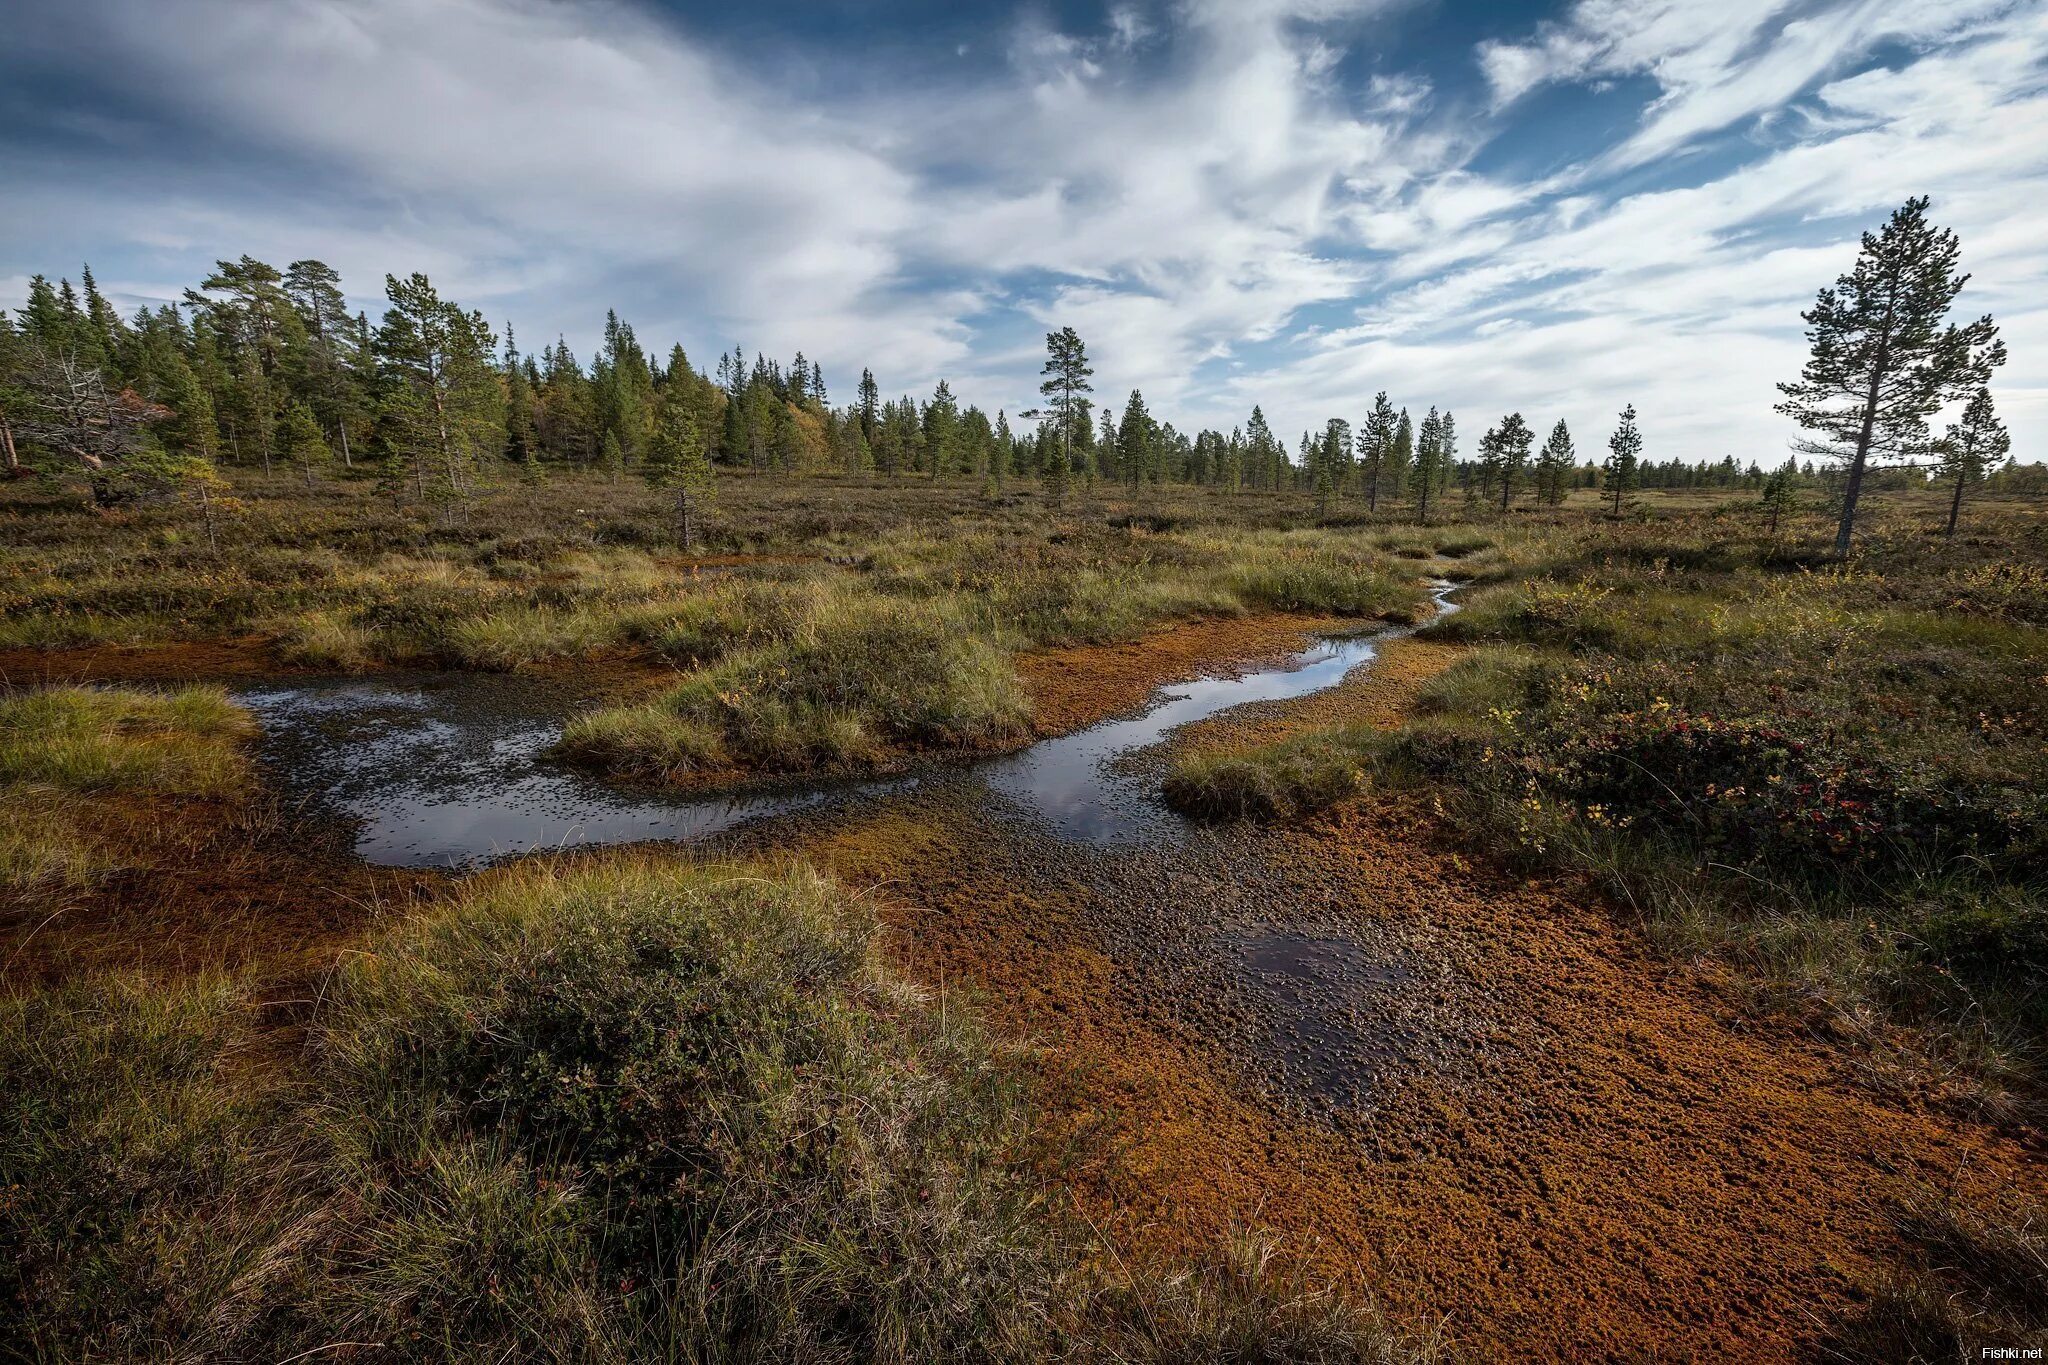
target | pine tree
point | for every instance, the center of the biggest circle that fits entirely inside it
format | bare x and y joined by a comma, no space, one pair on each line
1504,450
1065,382
1447,452
1423,473
446,406
1969,449
1554,466
1777,498
1624,455
1884,357
304,444
1400,456
1376,446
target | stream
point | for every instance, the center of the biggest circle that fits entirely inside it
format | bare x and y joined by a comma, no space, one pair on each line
449,770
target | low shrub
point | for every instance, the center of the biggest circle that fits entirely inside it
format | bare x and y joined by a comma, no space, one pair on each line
859,680
627,1110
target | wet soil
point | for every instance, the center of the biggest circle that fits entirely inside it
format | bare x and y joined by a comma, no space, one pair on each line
203,885
1481,1097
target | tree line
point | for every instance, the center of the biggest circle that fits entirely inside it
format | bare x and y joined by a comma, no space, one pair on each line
258,366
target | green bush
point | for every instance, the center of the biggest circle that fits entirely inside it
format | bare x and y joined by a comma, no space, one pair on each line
700,1082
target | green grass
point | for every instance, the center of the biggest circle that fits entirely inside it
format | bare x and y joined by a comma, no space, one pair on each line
61,748
625,1110
1283,781
79,739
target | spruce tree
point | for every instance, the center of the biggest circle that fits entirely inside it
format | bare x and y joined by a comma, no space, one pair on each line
1884,357
520,443
679,457
1135,437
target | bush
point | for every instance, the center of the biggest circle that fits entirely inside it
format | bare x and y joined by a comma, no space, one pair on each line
630,1110
695,1096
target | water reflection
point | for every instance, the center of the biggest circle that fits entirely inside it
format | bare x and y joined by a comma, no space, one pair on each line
1075,783
449,770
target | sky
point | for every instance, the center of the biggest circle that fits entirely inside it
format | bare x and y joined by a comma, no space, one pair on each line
1552,208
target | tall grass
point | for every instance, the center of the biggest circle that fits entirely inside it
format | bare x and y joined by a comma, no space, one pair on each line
82,739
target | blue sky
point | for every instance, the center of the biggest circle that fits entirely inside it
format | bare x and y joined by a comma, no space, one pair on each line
1553,208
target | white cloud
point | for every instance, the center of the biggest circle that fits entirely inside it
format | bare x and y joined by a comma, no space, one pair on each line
1190,182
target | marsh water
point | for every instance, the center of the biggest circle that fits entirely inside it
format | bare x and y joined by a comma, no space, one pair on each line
451,770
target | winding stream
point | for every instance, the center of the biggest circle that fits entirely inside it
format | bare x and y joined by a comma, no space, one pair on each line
448,770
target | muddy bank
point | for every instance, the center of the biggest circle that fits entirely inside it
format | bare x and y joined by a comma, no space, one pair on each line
1076,685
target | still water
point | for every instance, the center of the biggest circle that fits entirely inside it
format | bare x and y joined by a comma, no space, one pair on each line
450,770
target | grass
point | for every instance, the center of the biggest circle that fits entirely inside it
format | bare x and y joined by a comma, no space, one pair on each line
1981,1284
1835,777
863,619
62,746
856,679
618,1110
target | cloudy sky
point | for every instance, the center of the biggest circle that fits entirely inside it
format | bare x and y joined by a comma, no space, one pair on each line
1556,208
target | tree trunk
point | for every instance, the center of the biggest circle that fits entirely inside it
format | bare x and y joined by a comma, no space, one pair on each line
206,512
1853,485
1955,505
346,462
7,446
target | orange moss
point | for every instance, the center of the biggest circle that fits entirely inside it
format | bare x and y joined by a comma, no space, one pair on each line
1633,1169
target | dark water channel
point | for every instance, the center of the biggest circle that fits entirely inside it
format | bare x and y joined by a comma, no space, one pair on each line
450,770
